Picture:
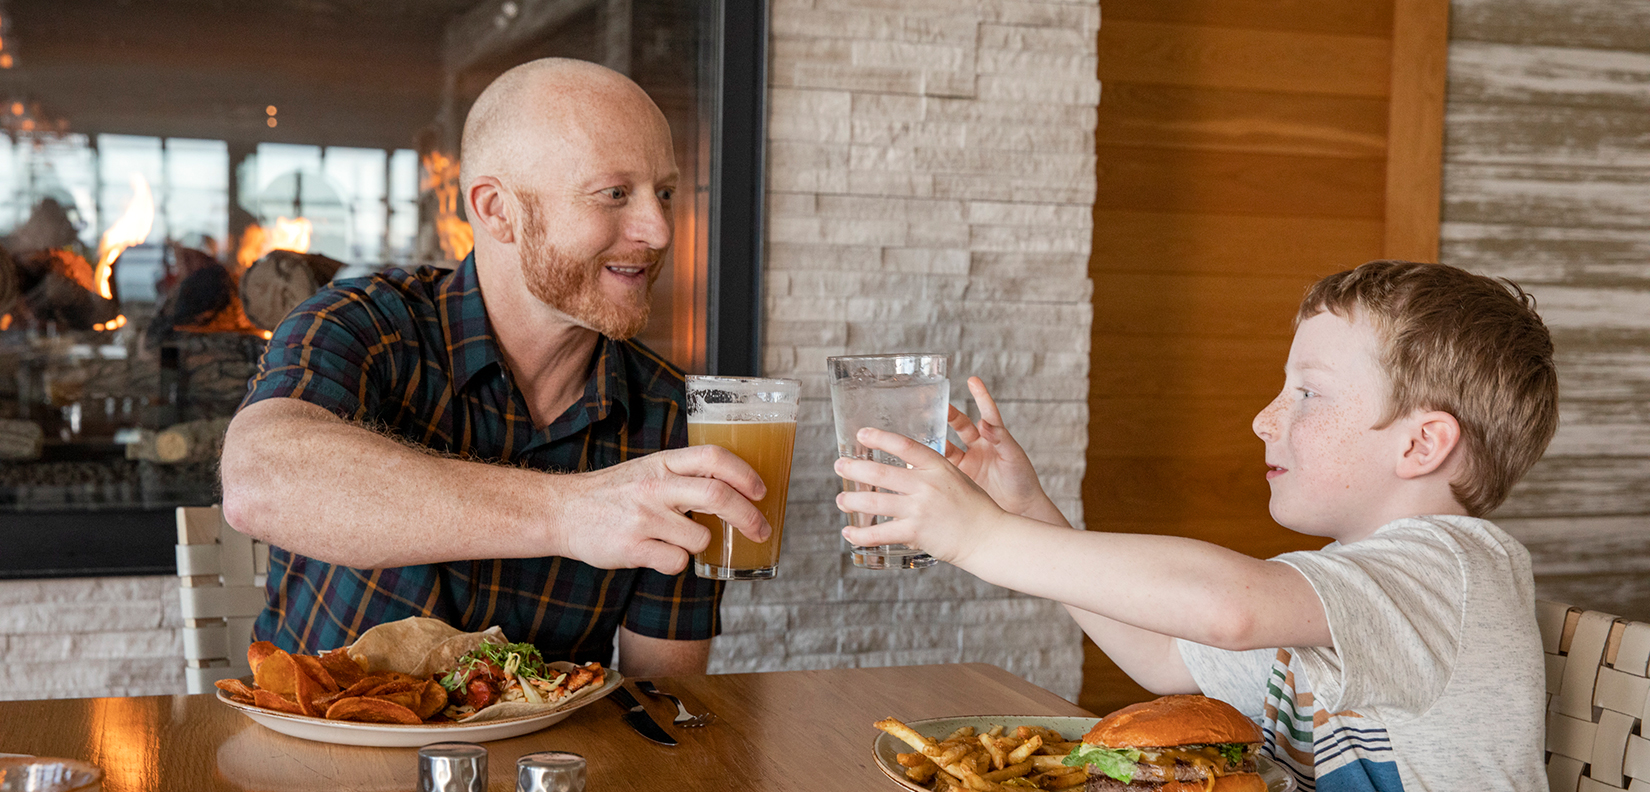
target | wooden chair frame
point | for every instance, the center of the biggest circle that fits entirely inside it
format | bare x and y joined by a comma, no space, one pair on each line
221,589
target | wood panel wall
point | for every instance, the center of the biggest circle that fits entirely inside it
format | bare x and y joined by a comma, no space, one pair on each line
1547,181
1245,149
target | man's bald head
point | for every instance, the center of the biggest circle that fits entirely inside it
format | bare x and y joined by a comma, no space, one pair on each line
547,103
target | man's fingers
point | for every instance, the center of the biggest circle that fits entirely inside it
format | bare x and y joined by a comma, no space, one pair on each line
714,462
711,496
662,557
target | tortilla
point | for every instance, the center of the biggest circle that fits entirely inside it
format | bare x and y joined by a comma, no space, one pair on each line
426,648
400,645
516,709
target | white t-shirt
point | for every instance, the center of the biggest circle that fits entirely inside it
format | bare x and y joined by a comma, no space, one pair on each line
1436,680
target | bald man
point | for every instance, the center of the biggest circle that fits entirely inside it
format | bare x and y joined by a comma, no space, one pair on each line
486,445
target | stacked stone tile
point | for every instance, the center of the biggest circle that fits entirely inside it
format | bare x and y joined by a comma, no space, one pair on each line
71,638
931,176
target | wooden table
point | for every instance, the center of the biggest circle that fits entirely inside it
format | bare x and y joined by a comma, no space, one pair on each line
793,730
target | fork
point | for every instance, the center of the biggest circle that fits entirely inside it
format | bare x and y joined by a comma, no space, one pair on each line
684,719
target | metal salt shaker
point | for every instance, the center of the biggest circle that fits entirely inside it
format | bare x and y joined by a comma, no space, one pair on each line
550,771
452,767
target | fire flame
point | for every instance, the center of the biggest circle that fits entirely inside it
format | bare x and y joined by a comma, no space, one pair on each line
288,234
131,229
441,177
113,324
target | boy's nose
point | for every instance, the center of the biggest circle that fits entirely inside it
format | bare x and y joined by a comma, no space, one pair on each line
1265,424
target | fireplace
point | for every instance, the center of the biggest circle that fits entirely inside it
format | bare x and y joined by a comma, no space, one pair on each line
177,174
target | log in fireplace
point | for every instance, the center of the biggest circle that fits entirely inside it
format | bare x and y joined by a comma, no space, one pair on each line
177,174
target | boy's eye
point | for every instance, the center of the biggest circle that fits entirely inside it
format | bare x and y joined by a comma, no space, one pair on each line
1307,393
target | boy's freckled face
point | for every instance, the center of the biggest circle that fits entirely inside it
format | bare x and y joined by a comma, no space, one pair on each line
1329,469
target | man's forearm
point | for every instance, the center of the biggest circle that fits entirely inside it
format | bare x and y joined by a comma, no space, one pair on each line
298,477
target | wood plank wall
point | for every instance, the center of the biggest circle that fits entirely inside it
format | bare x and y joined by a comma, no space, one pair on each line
1243,154
1547,181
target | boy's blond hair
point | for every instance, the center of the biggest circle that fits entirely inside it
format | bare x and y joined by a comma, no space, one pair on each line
1465,344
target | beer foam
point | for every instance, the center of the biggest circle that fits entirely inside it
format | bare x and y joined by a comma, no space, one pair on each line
742,413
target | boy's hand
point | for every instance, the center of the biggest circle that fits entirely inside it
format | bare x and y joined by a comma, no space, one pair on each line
996,462
934,505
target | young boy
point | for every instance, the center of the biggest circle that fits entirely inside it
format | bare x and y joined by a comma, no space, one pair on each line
1415,396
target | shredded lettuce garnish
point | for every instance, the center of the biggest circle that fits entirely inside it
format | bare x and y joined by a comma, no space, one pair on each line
517,659
1233,753
1119,763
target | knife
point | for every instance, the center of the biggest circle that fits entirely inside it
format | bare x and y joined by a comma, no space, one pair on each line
638,718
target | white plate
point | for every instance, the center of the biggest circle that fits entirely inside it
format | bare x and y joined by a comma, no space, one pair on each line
395,735
887,745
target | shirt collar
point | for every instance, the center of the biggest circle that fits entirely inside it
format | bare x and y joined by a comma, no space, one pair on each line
472,347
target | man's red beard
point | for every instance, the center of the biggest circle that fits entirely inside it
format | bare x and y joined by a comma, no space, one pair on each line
573,286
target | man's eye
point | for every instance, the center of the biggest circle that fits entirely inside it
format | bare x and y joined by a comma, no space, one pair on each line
616,193
666,193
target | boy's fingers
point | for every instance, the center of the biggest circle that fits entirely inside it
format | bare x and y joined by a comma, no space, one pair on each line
982,397
882,504
880,534
964,427
912,452
953,454
874,474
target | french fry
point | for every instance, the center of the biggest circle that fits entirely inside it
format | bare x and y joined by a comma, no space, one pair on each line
1063,746
904,733
911,759
923,773
998,755
1023,752
996,730
961,733
944,781
1005,773
974,781
1067,780
1049,761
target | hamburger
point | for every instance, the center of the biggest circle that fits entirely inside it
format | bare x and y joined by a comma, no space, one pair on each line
1172,744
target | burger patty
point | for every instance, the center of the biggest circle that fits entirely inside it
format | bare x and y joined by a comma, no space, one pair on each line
1183,771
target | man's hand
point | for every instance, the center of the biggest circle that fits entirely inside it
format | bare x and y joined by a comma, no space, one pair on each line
633,514
995,461
934,505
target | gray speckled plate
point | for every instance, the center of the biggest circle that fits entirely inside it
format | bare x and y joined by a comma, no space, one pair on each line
886,745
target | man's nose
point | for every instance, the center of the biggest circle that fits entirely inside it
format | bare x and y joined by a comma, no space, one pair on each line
651,223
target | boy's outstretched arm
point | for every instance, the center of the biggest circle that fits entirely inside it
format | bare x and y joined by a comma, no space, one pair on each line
1151,659
995,461
1163,584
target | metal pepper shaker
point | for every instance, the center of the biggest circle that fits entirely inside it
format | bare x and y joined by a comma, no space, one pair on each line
452,767
550,771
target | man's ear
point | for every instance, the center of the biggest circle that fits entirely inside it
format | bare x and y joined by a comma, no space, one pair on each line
1431,439
488,205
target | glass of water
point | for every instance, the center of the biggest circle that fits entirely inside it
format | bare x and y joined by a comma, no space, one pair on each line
907,394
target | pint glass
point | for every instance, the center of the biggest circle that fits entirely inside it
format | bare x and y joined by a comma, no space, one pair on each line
905,394
756,420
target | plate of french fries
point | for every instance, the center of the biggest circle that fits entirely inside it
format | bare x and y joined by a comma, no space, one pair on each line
983,753
997,753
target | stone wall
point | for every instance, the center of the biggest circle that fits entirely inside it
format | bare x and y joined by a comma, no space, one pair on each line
76,637
931,181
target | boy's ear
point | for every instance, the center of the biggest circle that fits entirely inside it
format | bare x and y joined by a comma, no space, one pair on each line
1434,435
487,205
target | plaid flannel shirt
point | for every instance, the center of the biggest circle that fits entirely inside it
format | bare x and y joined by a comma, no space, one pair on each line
413,352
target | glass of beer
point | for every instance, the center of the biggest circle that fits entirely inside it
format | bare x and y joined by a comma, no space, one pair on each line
756,420
907,394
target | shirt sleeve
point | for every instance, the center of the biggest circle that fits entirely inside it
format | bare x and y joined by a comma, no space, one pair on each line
1394,606
1237,678
683,607
330,351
